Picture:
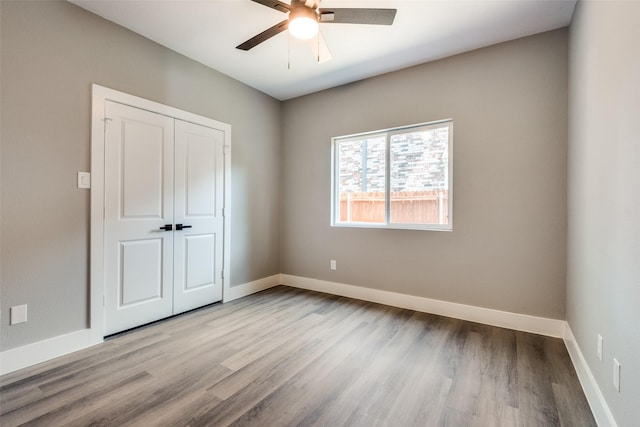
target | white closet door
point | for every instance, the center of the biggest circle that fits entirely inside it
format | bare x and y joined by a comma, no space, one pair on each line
139,161
199,190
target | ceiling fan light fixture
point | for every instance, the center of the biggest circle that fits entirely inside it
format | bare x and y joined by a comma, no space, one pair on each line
303,23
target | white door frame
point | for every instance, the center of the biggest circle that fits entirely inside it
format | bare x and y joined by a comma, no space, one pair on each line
100,95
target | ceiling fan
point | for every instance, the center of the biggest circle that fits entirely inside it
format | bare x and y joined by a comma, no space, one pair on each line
305,15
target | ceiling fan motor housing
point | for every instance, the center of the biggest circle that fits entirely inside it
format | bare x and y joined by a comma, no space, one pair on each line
303,21
302,11
307,14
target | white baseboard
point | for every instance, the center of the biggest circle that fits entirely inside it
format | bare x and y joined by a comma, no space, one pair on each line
598,404
504,319
239,291
31,354
41,351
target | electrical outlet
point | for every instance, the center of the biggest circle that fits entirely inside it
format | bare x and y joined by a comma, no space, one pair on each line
84,180
18,314
600,347
333,264
616,375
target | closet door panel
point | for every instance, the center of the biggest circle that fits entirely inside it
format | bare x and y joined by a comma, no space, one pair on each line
199,186
138,205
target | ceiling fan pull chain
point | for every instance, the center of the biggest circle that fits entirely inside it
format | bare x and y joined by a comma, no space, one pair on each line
288,51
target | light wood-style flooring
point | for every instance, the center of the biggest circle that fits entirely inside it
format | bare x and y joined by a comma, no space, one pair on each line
288,357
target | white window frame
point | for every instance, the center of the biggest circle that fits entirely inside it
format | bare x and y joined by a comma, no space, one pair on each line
388,133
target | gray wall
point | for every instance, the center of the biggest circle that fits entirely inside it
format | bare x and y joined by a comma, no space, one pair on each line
603,263
51,53
507,250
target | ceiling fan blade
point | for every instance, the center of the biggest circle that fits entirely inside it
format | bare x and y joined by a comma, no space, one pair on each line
357,16
275,4
263,36
320,50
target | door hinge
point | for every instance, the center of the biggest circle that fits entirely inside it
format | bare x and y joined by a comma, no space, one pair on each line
103,302
222,274
223,212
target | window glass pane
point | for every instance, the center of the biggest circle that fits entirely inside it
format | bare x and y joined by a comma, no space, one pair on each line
361,180
396,178
419,163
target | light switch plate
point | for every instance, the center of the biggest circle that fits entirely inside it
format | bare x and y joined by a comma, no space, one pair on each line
84,180
599,349
616,375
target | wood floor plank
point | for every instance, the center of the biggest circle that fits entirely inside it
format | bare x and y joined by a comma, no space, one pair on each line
535,394
573,408
423,376
178,411
61,412
315,389
379,374
286,357
141,405
246,390
73,386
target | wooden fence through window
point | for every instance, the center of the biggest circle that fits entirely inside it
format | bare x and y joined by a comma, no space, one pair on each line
407,207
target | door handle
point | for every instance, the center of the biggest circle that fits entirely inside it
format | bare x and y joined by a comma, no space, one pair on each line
180,226
167,227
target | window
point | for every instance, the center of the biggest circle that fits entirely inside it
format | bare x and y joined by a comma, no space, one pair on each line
397,178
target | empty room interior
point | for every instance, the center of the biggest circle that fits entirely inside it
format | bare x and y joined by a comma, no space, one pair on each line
426,214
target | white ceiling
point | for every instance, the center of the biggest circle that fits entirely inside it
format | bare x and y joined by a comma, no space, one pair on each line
424,30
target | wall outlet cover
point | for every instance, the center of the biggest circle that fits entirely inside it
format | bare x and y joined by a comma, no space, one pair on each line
18,314
84,180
